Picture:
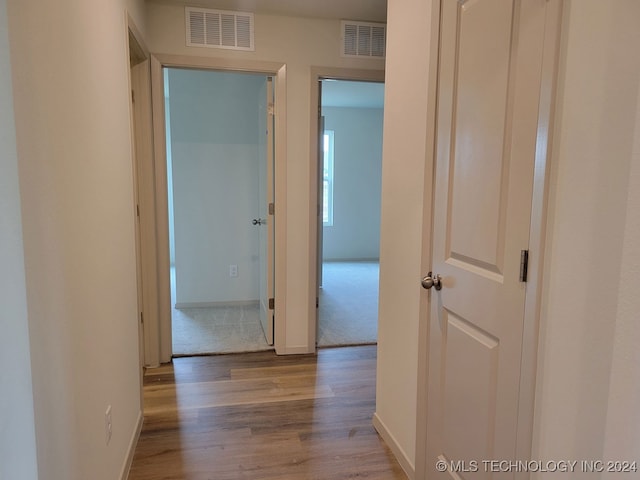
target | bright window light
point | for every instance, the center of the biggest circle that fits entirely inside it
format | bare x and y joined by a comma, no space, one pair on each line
327,180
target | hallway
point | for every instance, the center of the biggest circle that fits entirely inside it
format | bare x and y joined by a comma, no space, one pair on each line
259,415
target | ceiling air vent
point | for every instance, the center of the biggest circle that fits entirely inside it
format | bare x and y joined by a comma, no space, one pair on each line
362,39
219,29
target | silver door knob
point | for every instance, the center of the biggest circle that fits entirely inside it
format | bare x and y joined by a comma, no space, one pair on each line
431,280
259,221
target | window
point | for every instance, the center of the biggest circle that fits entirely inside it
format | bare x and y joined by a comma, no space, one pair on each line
327,180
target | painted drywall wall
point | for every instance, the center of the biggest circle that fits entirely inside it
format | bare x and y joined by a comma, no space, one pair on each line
403,184
300,43
355,233
72,118
215,160
584,394
18,458
622,435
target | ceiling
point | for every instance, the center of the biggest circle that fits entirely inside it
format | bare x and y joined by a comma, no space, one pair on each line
342,93
362,10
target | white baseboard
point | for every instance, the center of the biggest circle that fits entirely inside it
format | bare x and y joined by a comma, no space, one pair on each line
391,442
132,448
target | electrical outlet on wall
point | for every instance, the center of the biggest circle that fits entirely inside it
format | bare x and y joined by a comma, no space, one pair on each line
108,427
233,270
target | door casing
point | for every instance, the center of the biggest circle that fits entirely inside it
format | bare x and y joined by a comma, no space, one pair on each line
159,329
536,242
317,74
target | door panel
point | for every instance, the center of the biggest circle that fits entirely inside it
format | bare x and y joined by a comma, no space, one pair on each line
478,106
470,374
488,92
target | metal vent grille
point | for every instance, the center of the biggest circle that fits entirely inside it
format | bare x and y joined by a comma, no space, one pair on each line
361,39
219,29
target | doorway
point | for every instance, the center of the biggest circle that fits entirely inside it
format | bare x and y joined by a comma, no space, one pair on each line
219,149
349,186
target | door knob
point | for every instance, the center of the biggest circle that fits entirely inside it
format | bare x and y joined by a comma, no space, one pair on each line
259,221
432,281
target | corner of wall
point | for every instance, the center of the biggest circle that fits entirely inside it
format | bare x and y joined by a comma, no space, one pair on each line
126,467
589,187
18,452
392,443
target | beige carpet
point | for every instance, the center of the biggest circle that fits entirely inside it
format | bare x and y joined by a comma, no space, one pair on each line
347,315
348,306
217,330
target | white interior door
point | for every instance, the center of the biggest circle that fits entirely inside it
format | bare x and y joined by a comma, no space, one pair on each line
488,96
135,74
265,222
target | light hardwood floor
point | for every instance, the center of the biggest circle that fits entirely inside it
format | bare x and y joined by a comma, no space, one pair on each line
260,416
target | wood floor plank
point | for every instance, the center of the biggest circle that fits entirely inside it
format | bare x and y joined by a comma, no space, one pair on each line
260,416
218,394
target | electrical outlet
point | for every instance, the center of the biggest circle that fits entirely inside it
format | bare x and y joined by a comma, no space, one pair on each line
233,270
108,427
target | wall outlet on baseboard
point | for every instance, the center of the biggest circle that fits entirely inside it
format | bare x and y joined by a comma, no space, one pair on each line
233,270
108,427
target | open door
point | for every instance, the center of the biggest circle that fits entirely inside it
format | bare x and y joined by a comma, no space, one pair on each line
138,65
265,221
144,193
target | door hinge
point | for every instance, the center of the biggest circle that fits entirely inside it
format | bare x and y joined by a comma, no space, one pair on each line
271,109
138,210
141,318
272,303
133,96
317,302
272,209
524,264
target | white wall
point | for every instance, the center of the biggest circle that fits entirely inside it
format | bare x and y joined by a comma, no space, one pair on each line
622,433
403,188
17,431
355,233
215,158
300,43
72,117
587,394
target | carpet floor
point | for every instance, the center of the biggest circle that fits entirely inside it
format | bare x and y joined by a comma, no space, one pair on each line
347,315
348,304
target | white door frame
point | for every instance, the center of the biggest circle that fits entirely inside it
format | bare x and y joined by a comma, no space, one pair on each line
142,157
317,74
536,242
159,329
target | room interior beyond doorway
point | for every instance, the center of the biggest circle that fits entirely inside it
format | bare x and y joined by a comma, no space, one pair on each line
349,184
217,126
